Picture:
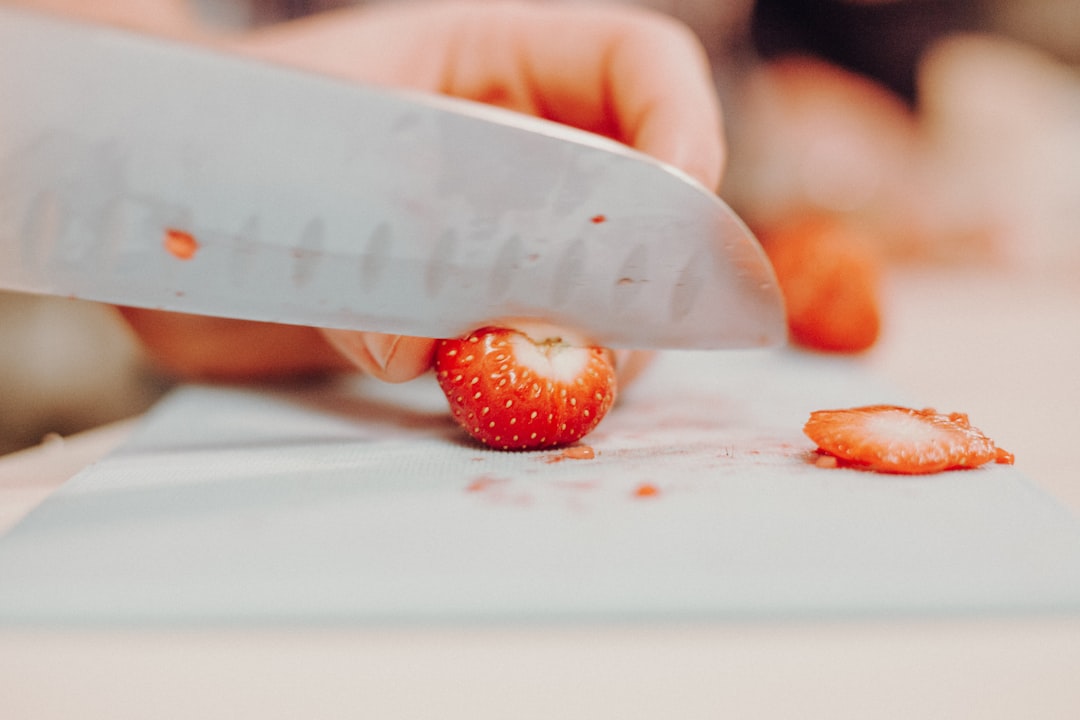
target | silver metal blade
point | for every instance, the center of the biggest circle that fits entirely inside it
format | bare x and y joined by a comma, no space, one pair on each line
318,202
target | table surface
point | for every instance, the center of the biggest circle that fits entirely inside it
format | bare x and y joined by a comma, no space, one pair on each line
997,344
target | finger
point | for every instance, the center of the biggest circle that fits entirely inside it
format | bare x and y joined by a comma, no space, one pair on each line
666,101
171,18
391,358
634,75
640,77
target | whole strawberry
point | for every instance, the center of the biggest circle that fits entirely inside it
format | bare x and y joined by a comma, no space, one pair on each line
828,273
529,387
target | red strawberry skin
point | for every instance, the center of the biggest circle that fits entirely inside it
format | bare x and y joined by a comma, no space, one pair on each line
892,439
828,273
525,388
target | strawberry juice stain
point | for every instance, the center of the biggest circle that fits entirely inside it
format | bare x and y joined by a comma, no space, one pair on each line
180,244
575,452
646,490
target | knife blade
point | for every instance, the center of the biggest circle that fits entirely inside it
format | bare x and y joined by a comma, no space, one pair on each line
138,171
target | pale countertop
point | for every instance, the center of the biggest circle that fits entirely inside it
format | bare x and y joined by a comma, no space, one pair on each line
996,344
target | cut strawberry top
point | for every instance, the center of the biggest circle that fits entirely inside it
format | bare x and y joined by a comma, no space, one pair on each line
893,439
525,388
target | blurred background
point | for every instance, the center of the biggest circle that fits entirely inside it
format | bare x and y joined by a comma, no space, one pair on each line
939,132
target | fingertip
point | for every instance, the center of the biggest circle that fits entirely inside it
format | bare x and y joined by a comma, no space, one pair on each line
665,94
699,156
410,358
387,357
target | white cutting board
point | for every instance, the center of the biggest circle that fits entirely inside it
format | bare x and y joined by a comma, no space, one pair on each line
362,503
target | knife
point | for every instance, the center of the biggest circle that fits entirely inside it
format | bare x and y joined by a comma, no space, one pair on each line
139,171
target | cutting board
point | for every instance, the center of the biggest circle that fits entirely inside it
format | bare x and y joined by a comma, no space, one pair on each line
359,503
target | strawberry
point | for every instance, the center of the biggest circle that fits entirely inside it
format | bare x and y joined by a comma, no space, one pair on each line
893,439
829,277
527,387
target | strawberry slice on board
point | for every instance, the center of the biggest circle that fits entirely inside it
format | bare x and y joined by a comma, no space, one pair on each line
893,439
527,387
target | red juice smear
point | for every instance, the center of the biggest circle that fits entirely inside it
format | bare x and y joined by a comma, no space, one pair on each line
482,483
181,245
597,219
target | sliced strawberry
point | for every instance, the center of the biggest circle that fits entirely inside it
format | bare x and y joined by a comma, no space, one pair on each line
892,439
524,388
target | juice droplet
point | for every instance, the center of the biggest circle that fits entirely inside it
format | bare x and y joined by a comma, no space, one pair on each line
827,461
646,490
597,219
181,245
579,452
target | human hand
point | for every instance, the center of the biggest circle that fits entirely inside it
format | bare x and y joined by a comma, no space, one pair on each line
166,18
635,76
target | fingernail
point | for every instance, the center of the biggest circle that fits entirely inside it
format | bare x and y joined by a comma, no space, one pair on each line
380,347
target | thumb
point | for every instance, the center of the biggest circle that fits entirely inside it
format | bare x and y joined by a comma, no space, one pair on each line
391,358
